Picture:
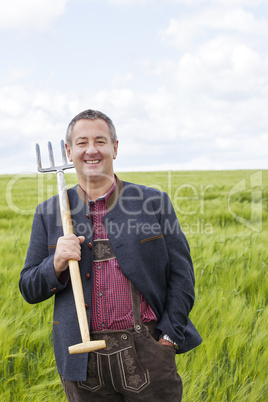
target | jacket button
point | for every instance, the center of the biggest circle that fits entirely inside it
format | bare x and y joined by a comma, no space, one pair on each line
89,246
87,275
86,305
53,290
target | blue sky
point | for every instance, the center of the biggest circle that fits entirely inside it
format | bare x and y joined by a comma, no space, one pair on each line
185,81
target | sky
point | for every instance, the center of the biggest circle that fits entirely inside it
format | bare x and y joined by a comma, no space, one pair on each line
184,81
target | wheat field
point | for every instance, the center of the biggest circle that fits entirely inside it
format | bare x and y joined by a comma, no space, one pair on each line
224,216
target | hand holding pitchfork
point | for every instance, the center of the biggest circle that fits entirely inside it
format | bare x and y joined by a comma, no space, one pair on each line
68,248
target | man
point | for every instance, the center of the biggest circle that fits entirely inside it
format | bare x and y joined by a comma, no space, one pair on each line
136,272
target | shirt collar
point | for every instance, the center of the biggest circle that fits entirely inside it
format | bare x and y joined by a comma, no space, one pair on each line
105,196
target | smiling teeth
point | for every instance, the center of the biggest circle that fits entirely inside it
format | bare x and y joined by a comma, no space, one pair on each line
91,162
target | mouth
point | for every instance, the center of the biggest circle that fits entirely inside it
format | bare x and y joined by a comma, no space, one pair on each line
94,162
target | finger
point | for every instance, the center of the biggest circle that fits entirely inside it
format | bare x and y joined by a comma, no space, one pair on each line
81,239
68,251
70,240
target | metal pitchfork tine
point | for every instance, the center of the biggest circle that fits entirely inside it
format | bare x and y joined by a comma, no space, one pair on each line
87,345
52,168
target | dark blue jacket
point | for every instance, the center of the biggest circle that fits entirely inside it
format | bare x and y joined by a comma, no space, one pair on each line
150,248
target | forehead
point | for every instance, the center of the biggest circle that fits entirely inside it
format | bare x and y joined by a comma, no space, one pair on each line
88,128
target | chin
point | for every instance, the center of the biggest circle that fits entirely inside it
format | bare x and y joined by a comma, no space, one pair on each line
92,175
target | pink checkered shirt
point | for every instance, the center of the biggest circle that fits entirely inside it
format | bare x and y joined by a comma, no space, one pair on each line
111,306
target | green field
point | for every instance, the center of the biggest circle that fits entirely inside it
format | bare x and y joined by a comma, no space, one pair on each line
224,216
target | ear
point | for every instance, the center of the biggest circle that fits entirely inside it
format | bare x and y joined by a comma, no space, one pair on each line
69,153
115,145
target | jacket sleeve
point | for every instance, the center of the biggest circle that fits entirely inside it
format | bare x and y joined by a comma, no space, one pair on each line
180,277
38,281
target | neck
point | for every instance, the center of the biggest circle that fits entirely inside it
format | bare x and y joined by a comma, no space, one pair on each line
97,188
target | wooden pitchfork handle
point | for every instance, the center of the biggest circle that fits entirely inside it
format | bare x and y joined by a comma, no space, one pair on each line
87,345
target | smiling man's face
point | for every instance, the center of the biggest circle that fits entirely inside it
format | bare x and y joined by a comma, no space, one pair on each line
92,151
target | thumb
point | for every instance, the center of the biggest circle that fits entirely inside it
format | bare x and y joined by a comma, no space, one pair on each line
81,239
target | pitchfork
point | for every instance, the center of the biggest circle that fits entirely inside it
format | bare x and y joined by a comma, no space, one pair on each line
87,345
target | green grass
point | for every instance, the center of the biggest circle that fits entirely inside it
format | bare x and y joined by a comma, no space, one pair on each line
228,239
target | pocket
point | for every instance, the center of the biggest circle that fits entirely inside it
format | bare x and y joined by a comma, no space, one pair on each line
160,236
94,374
163,356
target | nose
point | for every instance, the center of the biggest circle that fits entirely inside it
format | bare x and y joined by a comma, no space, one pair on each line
91,149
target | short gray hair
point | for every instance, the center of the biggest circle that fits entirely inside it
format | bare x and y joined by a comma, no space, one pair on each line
91,115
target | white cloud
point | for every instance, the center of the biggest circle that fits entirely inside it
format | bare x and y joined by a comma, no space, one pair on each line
26,118
30,14
223,2
124,2
241,2
185,31
13,101
200,163
130,2
222,68
120,79
221,74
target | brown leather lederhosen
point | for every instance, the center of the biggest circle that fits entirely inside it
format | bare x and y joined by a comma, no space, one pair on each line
120,351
